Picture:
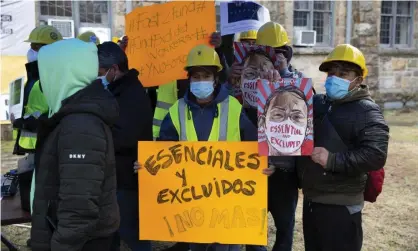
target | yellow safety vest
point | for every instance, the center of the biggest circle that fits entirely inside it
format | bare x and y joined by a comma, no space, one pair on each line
35,107
225,127
166,97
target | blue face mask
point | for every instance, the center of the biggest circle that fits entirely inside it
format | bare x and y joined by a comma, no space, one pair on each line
202,89
336,88
104,79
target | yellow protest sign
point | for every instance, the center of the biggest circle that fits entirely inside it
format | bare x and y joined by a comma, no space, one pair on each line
161,36
202,192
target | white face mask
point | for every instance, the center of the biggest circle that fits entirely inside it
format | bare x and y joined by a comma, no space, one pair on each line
32,55
286,137
249,91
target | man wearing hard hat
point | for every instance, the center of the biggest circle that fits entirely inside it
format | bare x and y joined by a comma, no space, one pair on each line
351,140
282,185
200,114
88,37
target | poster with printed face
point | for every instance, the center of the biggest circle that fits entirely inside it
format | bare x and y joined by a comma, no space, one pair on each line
254,59
285,117
202,192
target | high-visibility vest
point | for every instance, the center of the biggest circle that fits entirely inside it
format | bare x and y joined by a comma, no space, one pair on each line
166,97
225,126
35,107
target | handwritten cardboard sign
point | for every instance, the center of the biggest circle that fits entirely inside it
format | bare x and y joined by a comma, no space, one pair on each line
285,117
161,36
202,192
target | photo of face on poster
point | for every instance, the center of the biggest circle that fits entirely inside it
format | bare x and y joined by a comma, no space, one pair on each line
285,121
254,59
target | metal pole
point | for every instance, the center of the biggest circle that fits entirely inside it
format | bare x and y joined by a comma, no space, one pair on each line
348,21
128,6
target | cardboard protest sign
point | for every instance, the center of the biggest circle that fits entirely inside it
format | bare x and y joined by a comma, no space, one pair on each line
238,16
161,36
285,117
254,58
202,192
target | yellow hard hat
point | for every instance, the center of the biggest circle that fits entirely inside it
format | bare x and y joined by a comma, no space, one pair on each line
272,34
346,53
251,34
89,36
115,40
203,55
44,34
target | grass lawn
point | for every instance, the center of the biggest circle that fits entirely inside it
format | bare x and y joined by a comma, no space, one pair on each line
390,224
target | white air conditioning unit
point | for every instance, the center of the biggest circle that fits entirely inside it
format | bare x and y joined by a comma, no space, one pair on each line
304,37
65,27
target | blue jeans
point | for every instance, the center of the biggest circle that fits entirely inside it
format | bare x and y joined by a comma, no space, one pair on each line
129,223
214,247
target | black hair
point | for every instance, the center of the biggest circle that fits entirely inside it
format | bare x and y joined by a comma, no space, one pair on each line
345,65
111,54
280,90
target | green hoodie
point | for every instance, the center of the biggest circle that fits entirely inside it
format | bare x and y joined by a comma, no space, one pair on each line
65,67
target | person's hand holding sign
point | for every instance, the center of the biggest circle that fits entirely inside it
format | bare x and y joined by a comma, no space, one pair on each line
320,156
270,170
216,39
270,75
137,166
235,72
123,43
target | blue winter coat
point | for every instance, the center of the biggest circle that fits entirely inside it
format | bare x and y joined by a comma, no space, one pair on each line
203,119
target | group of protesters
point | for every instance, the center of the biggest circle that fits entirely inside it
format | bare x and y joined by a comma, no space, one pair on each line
85,110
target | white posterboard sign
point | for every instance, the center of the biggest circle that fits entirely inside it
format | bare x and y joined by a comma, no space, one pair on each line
16,93
239,16
17,21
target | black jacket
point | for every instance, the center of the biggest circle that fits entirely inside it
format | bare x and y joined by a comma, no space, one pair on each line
134,124
355,133
75,190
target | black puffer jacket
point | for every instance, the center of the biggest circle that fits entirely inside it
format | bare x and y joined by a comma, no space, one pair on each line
75,191
355,133
134,124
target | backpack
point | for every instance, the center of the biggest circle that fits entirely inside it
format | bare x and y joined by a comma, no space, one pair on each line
374,183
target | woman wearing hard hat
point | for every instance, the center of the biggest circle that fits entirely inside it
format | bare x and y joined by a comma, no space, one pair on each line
348,123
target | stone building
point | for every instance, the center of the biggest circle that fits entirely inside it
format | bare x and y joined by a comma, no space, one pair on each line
386,32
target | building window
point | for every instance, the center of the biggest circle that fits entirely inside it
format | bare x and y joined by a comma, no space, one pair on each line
315,15
94,12
396,23
218,15
56,8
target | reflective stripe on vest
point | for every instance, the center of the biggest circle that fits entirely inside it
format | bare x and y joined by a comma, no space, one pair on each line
35,107
224,128
166,97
